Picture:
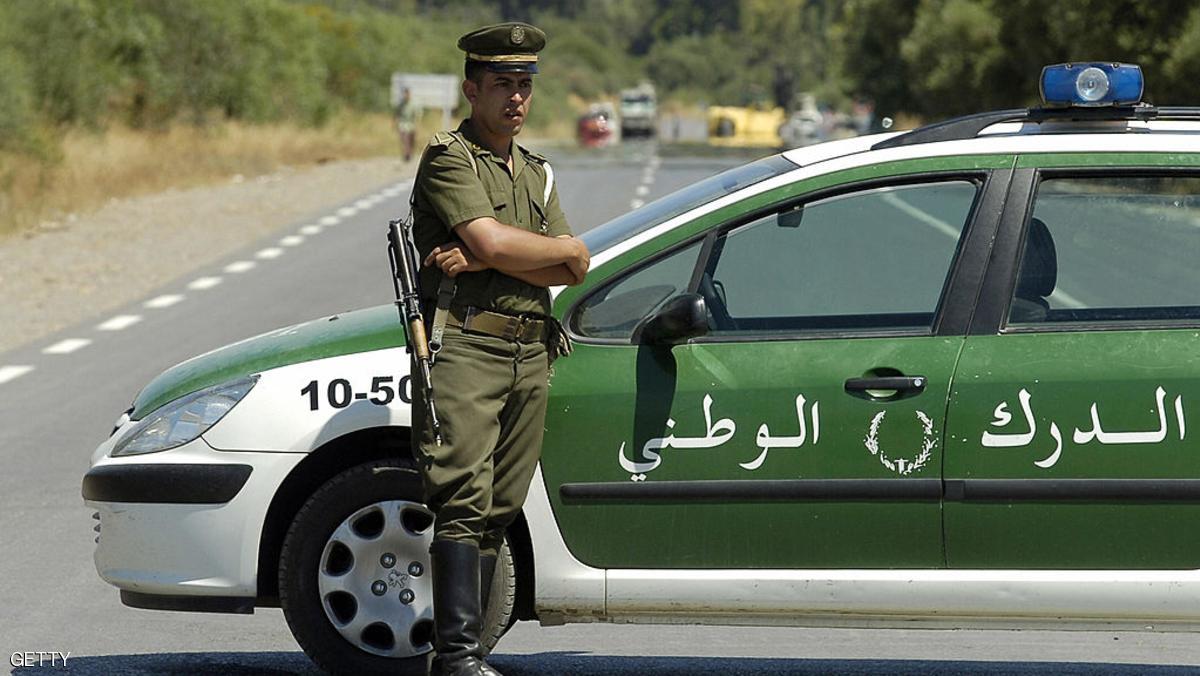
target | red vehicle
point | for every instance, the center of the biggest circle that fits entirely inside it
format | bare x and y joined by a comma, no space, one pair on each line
595,128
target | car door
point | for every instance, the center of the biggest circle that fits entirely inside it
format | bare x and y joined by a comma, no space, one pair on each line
1069,444
804,430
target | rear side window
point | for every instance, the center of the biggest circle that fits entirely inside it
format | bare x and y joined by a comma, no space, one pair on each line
1110,249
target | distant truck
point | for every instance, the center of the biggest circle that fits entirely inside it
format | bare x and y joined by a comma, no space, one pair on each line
639,111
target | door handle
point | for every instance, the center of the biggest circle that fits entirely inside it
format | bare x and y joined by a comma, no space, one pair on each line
901,384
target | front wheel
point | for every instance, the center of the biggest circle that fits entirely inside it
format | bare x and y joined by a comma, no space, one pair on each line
354,580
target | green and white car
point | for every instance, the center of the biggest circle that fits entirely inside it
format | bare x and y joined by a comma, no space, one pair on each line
939,378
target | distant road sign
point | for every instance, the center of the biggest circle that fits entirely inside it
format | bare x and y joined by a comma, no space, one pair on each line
427,91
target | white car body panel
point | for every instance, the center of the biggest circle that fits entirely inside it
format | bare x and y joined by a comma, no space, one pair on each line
275,416
939,598
189,549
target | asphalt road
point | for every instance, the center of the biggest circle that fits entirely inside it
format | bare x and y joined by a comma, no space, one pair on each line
52,416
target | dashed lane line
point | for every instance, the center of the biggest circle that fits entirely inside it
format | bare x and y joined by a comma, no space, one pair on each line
8,373
637,204
67,346
240,266
642,190
204,283
120,322
163,301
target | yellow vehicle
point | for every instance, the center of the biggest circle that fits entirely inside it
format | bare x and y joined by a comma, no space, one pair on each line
745,127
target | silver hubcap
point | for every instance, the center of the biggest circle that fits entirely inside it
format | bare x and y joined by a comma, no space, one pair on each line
374,579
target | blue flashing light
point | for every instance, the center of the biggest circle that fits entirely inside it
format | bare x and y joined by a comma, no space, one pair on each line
1092,84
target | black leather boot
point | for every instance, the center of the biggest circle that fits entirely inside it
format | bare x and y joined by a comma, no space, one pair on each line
457,619
487,571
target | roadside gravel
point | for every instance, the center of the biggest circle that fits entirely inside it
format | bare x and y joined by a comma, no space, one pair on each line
69,271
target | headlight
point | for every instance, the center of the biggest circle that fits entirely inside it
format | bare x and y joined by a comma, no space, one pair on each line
184,419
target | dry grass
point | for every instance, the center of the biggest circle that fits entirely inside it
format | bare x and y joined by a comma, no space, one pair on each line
97,167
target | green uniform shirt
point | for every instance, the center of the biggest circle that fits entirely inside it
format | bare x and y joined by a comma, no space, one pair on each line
449,192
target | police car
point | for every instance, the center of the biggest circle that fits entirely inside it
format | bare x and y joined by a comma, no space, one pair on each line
942,378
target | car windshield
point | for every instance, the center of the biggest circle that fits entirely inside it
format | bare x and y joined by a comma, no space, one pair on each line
661,210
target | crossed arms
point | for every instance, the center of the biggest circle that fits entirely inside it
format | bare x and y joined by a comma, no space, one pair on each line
532,258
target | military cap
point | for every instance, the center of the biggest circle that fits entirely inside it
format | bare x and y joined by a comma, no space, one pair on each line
505,47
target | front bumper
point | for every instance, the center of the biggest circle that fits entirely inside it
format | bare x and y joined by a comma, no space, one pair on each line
181,529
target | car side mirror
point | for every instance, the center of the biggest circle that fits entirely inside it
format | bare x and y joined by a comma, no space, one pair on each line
678,320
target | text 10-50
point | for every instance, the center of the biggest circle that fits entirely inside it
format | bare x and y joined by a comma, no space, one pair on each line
338,392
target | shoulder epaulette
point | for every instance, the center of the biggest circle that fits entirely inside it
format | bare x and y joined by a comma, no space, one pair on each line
442,139
529,154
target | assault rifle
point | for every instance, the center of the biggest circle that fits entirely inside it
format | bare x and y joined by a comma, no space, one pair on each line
402,254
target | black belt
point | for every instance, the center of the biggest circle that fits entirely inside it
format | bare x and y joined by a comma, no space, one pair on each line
520,328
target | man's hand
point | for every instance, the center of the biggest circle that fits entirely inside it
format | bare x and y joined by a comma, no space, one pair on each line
579,264
453,259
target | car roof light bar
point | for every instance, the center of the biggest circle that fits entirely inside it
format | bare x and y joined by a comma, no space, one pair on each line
1091,84
969,126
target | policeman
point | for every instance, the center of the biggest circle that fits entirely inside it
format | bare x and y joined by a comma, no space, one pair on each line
493,237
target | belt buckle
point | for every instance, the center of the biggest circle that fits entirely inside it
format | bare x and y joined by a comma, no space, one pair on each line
513,327
523,328
469,317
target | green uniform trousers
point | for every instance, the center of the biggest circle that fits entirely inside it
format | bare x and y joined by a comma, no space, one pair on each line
490,395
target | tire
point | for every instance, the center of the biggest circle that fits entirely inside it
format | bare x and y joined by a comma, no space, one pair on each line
352,612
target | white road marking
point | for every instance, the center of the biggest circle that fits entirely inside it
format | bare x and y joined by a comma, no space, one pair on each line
330,220
364,203
310,230
120,322
163,301
642,190
347,212
636,204
204,283
8,373
1063,299
292,240
923,216
240,266
67,346
268,254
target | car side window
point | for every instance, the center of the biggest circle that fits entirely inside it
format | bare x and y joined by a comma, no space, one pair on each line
873,260
616,309
1110,249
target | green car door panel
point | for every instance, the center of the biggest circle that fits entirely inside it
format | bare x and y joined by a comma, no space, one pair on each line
775,426
1079,407
1067,441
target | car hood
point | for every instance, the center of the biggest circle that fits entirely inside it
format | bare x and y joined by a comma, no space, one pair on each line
373,328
